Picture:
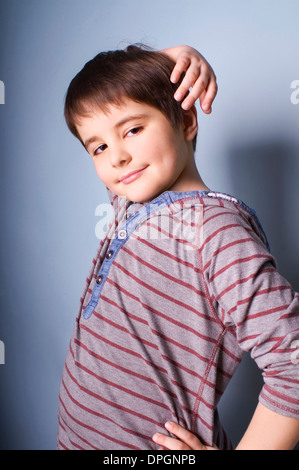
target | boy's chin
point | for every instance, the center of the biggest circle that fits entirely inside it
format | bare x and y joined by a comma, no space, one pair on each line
142,197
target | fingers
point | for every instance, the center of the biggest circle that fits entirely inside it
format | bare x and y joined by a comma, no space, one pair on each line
180,67
199,79
193,78
201,83
207,97
196,90
169,443
184,435
186,440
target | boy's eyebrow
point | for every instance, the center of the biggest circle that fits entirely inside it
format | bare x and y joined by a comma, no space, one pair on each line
129,118
116,126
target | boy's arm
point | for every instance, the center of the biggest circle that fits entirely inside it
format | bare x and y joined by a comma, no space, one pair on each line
270,431
267,431
199,76
261,305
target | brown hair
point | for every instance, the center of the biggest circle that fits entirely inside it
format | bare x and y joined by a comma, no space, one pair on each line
140,74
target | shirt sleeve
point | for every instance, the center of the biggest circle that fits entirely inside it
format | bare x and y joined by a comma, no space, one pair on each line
253,298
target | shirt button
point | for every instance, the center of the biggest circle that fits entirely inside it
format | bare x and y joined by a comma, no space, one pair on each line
122,234
99,279
109,254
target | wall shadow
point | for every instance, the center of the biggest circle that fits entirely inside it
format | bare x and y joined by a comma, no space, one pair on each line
264,175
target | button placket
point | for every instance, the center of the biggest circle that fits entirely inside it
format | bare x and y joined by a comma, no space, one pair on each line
127,227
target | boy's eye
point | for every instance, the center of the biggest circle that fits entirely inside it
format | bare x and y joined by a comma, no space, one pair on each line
134,131
100,149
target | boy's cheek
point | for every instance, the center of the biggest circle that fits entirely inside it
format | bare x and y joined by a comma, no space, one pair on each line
102,174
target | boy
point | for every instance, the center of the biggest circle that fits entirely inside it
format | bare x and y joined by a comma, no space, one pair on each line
182,284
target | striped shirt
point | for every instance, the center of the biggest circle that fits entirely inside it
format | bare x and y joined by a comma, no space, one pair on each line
179,289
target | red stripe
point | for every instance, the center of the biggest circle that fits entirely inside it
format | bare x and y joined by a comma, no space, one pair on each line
162,294
219,230
281,396
90,428
125,312
239,261
125,330
244,280
153,345
174,236
221,214
123,369
122,388
79,447
160,314
248,338
111,404
137,395
180,366
163,273
122,348
225,247
77,435
276,374
63,445
181,346
168,255
289,315
191,351
262,314
256,294
170,319
131,372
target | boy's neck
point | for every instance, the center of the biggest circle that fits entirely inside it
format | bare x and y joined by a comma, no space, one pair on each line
194,183
190,180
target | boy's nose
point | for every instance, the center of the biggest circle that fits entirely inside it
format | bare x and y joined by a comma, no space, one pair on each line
119,157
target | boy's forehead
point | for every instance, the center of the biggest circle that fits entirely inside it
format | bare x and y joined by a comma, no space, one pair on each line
115,115
122,107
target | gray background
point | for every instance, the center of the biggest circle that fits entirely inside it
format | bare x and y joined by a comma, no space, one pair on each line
49,191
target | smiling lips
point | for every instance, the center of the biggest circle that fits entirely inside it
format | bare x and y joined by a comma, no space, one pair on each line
132,176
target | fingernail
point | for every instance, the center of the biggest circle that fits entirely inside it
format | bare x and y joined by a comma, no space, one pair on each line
177,96
155,437
206,107
186,105
168,425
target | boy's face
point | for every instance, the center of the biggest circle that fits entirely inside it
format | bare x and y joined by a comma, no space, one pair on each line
136,151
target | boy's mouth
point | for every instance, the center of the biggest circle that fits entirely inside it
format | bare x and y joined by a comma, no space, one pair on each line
132,176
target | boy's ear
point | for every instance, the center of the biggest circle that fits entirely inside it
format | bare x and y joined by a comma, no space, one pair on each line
190,124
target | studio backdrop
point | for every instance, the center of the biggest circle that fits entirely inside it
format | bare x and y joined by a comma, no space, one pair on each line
248,147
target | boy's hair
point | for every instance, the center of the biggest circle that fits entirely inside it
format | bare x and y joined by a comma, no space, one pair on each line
140,74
